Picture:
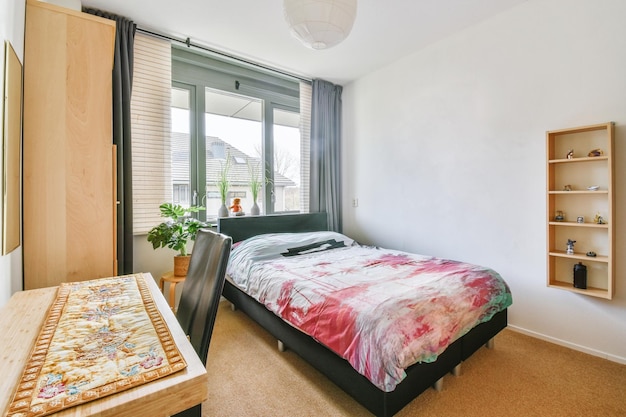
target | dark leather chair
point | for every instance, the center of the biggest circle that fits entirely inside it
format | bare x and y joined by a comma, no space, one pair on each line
201,294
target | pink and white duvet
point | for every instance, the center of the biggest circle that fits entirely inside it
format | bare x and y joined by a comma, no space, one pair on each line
382,310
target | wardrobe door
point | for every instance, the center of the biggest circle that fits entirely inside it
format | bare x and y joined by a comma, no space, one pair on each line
69,200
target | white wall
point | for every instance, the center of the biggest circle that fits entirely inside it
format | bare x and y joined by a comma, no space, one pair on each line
445,151
145,259
12,14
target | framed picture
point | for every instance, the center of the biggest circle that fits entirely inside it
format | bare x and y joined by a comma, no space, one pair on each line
11,150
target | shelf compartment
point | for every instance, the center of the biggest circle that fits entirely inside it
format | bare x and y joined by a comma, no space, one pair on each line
562,275
580,176
580,140
587,240
580,203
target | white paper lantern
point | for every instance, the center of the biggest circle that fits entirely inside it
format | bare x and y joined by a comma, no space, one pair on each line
320,24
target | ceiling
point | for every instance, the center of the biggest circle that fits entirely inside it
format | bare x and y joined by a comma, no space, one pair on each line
384,31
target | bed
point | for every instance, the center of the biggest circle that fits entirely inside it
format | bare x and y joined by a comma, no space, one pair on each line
382,398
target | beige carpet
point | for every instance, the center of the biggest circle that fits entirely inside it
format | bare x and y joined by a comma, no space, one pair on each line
522,376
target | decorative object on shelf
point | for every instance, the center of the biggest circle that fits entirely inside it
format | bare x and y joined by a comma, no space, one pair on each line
580,219
570,246
598,219
223,184
176,233
320,24
595,152
593,188
567,188
570,154
580,276
236,207
559,216
591,254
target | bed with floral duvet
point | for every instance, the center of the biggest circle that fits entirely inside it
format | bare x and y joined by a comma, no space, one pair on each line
384,315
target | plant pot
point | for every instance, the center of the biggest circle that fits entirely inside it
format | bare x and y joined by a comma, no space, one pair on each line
181,265
255,210
223,211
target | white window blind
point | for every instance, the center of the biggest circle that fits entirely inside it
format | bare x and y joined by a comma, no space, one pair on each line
151,131
305,139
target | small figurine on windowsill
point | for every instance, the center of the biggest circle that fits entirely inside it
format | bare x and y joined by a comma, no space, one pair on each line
570,246
570,154
236,207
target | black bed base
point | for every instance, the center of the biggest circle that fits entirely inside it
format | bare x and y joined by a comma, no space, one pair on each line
420,376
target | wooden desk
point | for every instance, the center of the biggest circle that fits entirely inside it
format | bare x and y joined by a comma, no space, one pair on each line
20,321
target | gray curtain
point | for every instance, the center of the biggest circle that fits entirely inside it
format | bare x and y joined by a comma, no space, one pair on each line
326,151
122,86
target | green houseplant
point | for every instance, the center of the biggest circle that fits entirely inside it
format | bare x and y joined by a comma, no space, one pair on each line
176,233
255,183
222,185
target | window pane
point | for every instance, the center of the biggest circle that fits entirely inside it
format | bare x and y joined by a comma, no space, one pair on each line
180,148
234,140
287,172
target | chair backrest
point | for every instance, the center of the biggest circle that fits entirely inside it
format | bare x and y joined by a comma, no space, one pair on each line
203,288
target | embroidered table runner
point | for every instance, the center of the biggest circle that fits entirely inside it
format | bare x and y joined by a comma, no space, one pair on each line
100,337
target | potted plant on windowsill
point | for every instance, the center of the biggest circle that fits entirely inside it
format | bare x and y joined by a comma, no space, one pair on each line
176,233
255,185
222,185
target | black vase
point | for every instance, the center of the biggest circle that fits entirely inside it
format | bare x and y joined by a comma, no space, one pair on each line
580,276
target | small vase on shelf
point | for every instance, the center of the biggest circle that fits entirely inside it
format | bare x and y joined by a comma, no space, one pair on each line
255,210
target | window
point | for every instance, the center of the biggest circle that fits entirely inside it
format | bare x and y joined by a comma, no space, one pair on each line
233,130
181,194
180,151
226,115
287,162
191,113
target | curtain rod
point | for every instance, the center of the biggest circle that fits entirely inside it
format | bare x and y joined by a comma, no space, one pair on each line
213,51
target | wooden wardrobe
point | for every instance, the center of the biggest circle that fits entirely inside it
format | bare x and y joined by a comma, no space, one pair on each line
69,229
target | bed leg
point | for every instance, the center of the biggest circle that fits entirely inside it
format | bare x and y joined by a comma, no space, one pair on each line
490,343
281,346
233,307
438,386
456,371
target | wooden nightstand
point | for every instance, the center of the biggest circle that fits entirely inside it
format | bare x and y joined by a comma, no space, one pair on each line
172,280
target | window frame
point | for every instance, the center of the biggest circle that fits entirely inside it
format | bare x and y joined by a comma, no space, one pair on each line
196,72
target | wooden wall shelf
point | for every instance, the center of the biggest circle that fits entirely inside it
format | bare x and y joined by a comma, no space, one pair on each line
577,173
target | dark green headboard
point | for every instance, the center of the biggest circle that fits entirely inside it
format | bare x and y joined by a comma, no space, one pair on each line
243,227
